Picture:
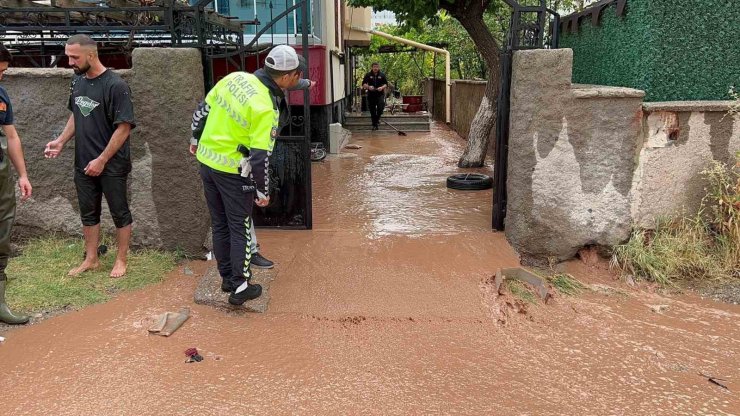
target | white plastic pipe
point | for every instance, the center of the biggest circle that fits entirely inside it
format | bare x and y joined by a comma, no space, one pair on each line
448,82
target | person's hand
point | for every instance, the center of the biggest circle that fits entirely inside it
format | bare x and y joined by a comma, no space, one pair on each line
262,202
53,149
193,149
95,167
371,88
25,187
313,84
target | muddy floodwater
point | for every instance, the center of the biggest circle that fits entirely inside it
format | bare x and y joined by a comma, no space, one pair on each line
385,308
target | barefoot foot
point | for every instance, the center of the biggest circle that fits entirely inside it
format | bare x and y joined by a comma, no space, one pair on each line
119,269
85,266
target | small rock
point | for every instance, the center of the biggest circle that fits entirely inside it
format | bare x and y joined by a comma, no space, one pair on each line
38,316
187,271
2,339
630,280
607,290
658,308
589,256
353,146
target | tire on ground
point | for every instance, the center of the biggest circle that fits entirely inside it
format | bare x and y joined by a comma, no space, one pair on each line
469,182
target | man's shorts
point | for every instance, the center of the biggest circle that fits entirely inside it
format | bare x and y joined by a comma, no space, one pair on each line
90,191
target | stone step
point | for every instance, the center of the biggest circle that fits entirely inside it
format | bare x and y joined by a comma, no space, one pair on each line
209,291
407,127
355,121
399,117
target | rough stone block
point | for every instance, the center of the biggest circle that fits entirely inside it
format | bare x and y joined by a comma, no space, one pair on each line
571,160
209,292
166,196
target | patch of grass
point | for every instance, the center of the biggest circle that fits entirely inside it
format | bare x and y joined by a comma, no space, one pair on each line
705,247
521,291
566,284
735,106
39,281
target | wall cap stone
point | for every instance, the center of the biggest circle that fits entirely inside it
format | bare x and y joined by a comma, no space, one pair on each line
601,91
469,81
688,106
51,72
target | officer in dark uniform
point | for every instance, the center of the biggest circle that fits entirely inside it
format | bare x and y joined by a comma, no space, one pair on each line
375,83
10,152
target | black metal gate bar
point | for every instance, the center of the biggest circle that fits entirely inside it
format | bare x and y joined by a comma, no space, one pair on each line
523,34
305,27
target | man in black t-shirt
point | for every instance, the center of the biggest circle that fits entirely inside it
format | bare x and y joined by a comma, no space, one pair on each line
102,118
375,83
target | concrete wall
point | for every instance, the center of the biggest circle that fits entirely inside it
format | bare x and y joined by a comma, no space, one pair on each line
165,191
588,163
571,159
681,139
465,99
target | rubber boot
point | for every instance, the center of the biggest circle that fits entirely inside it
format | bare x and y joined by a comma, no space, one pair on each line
5,314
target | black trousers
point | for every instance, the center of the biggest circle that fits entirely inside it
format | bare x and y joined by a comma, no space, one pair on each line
376,104
230,198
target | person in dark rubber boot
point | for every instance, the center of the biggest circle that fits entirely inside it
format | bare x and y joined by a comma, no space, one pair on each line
10,152
234,132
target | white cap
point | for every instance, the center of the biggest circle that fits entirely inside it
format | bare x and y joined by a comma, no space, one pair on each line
282,58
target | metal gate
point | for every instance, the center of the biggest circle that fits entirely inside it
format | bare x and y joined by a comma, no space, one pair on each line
290,164
531,27
37,35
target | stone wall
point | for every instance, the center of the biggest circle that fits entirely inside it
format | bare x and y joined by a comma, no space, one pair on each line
681,139
165,191
571,159
588,163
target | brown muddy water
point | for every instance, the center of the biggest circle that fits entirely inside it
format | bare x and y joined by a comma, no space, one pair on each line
384,309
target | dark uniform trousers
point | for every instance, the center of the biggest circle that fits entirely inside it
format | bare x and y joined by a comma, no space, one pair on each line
230,198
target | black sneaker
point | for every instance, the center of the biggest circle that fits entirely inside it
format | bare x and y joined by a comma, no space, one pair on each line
251,292
260,262
228,286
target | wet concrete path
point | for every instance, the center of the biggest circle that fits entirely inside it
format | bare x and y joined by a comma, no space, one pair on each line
383,309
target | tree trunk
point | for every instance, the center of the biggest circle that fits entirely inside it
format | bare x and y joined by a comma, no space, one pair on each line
485,119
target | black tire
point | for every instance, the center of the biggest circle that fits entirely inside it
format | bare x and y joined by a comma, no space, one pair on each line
469,182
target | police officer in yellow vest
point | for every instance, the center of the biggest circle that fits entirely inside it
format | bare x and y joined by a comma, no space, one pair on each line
234,133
